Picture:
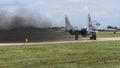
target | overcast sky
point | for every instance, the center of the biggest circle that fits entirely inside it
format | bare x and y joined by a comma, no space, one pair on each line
107,12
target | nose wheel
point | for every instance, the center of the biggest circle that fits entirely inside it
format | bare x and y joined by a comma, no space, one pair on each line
93,37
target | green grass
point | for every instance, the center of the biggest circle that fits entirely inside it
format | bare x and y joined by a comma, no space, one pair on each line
107,34
70,55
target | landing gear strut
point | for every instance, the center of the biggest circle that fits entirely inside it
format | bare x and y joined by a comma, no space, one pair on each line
93,37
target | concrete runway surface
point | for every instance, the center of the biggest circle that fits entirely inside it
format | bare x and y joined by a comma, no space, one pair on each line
57,42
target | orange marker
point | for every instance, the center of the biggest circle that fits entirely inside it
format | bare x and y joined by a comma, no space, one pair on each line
26,40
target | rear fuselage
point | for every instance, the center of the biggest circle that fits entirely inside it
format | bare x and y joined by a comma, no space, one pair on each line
82,32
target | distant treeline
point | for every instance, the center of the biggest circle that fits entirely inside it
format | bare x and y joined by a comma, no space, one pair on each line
112,27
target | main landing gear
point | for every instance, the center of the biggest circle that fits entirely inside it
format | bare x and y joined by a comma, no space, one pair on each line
93,37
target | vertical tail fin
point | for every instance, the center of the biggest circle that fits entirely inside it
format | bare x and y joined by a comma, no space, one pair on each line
90,25
68,25
89,22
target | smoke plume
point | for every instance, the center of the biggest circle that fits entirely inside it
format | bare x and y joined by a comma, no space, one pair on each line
23,19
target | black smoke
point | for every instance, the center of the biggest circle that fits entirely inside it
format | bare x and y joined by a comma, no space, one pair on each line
15,27
23,18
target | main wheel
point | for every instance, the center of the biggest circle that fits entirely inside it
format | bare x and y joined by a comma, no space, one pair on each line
93,37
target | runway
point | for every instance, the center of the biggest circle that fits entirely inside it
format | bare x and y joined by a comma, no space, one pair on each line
58,42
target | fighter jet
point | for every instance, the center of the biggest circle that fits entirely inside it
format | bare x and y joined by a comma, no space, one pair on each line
89,30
